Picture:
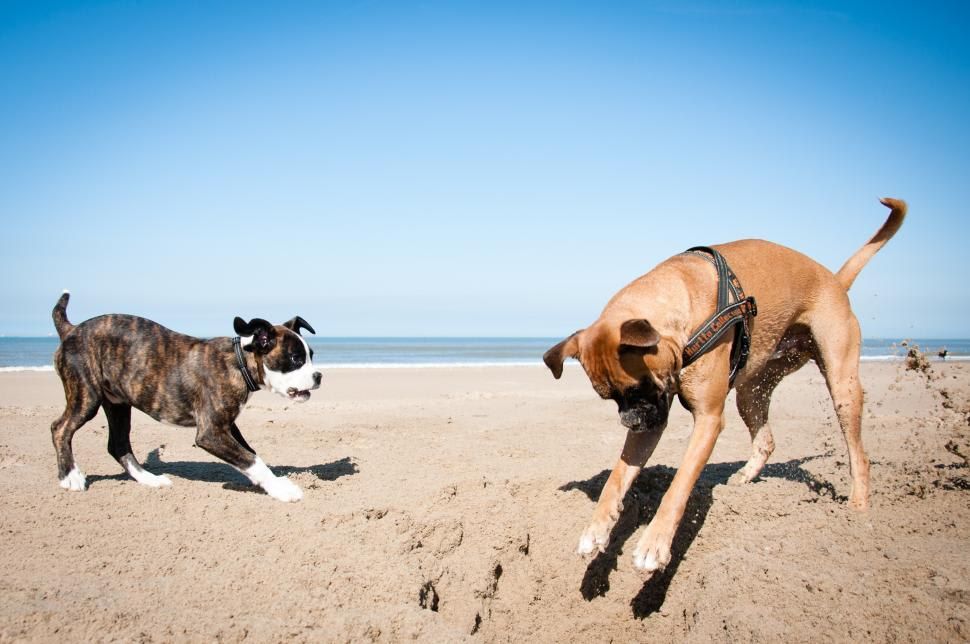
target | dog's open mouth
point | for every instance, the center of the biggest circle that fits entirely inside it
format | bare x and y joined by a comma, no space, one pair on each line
301,395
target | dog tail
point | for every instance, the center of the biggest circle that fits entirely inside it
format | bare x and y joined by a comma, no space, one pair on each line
61,323
850,270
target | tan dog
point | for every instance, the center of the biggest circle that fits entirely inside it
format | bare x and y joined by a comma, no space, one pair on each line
633,354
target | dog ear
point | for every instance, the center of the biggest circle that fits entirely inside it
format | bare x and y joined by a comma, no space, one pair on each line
246,329
638,333
556,356
298,323
262,333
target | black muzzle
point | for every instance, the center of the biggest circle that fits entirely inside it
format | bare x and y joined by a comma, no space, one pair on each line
641,411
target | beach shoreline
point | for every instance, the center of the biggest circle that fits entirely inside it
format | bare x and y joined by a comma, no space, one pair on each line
486,365
445,504
29,353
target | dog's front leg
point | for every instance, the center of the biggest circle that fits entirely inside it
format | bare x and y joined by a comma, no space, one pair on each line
636,450
653,550
221,441
278,487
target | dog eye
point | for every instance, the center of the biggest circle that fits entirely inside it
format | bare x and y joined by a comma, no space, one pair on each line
296,358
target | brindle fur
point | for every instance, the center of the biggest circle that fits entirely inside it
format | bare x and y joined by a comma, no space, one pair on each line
121,361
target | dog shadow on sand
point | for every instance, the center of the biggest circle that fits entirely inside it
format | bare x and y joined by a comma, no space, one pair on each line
232,479
640,505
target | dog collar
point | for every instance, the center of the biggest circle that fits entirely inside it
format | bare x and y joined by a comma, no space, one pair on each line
726,315
241,363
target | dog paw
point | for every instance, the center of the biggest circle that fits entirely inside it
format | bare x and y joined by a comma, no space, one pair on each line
74,481
160,481
741,477
652,553
283,489
150,480
594,538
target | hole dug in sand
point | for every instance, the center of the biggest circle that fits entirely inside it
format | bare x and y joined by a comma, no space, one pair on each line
428,597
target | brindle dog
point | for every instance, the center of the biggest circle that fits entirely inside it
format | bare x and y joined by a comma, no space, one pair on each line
121,361
633,354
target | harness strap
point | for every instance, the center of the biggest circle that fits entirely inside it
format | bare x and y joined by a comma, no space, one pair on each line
733,310
241,363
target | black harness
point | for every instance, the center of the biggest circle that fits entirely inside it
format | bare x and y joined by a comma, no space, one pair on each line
241,363
733,313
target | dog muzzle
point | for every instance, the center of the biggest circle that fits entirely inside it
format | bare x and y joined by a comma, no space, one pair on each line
646,416
303,395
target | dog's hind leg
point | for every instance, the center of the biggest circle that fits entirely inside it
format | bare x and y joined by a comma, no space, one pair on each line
839,342
636,450
753,400
82,405
119,444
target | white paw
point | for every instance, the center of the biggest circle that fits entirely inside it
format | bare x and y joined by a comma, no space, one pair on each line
594,538
156,481
141,475
74,481
282,489
651,554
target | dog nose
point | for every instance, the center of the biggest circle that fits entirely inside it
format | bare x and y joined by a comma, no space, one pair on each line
317,378
629,419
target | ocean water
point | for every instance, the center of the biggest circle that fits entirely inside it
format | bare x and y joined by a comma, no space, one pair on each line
18,354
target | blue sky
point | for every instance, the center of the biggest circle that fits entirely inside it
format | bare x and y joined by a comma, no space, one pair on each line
450,168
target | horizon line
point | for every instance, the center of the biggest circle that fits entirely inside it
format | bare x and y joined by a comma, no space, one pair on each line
895,338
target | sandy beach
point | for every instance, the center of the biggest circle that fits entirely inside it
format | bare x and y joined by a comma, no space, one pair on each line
445,505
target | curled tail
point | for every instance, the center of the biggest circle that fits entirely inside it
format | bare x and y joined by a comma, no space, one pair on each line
850,270
61,323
